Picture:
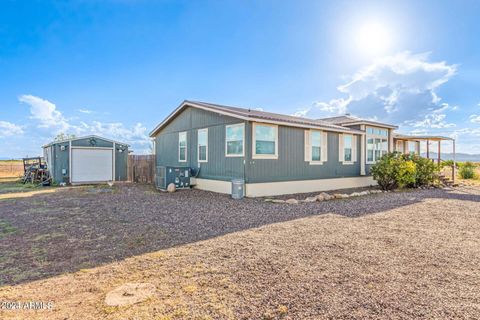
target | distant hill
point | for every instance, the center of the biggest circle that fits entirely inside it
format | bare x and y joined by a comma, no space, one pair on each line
459,156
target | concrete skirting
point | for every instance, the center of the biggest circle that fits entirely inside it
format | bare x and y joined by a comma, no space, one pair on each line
286,187
305,186
212,185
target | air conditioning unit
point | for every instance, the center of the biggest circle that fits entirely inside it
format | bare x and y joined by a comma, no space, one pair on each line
180,176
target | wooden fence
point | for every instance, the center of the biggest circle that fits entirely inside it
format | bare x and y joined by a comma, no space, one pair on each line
141,168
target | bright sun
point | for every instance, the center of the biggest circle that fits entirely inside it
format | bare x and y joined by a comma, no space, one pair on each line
372,38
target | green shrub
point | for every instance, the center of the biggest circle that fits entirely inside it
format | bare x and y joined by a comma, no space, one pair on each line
446,163
385,171
467,170
426,171
406,173
398,170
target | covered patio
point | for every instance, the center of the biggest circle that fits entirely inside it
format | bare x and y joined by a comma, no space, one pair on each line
412,144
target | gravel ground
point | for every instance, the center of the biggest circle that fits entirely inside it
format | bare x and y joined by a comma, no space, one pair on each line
399,255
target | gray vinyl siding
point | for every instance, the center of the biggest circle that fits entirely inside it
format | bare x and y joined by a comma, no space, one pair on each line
60,161
291,164
218,167
99,143
121,160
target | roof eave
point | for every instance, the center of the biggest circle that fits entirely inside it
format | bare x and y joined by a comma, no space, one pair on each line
186,103
372,123
85,137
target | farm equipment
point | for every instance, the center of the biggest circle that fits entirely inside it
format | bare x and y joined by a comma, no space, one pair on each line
36,171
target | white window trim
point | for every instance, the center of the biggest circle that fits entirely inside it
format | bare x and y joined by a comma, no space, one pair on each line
198,146
323,147
316,162
243,140
375,136
342,147
186,146
254,142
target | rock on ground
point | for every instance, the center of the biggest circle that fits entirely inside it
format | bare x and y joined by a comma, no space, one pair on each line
129,293
171,188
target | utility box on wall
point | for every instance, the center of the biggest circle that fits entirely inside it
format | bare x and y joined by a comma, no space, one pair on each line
179,176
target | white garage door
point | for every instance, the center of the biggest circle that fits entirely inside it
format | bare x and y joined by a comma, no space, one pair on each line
92,165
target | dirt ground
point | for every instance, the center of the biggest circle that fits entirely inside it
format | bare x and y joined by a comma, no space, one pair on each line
404,255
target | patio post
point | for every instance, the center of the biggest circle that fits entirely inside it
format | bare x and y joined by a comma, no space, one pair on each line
439,144
428,149
454,162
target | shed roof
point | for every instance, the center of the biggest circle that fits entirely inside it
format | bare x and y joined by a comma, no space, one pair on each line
85,137
255,115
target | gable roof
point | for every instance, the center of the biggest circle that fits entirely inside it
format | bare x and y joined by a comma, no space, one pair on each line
255,115
348,120
85,137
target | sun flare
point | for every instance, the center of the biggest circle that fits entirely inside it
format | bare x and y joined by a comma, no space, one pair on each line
372,38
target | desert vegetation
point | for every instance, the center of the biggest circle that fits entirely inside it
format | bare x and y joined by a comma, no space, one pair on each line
397,170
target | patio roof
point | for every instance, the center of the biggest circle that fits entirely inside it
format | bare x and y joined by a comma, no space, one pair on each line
420,137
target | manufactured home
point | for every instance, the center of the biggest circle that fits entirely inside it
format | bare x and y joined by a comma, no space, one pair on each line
85,160
273,153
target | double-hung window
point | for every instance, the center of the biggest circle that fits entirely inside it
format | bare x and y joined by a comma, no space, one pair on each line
182,146
265,141
347,148
315,146
202,145
377,143
235,140
316,141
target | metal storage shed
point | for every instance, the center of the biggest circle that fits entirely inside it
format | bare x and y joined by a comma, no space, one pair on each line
89,159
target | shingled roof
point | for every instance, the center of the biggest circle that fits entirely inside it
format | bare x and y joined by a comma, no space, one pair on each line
256,115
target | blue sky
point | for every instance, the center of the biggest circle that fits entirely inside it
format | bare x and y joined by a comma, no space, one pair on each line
117,68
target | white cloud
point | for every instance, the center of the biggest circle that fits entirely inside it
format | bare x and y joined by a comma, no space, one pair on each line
86,111
391,76
398,89
52,120
475,118
8,129
136,134
435,119
319,109
45,112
